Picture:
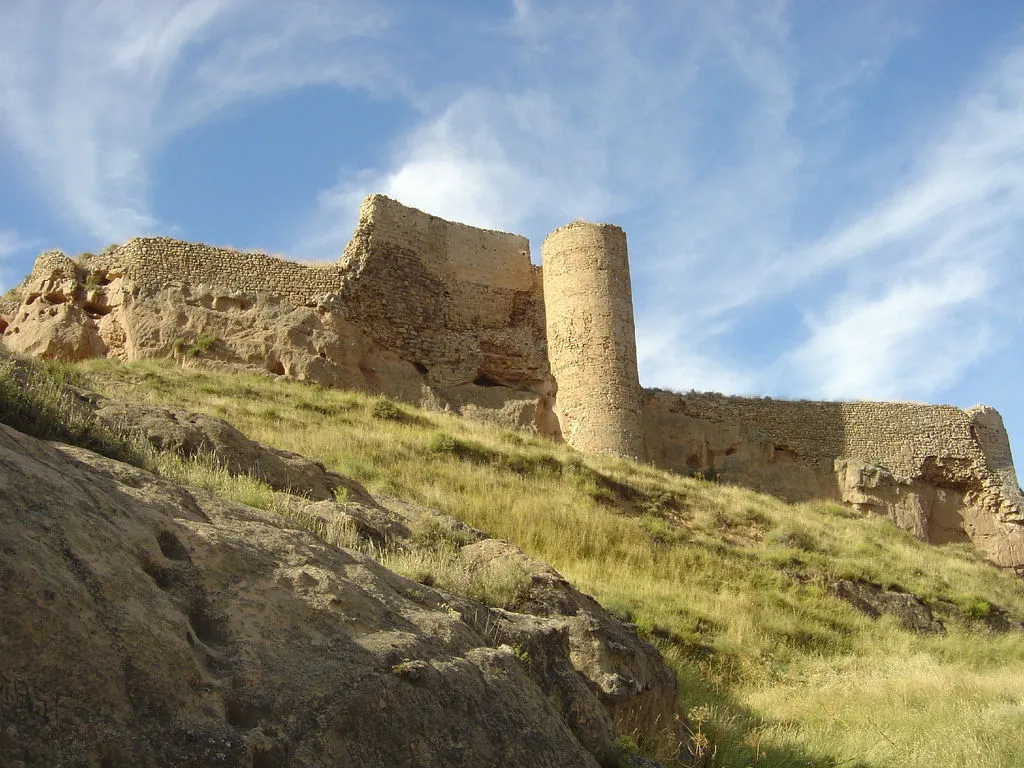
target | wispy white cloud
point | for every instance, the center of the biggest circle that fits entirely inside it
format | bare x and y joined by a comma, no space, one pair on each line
89,91
481,161
669,362
910,338
11,245
930,270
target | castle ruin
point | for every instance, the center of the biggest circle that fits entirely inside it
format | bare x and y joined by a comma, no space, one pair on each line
435,312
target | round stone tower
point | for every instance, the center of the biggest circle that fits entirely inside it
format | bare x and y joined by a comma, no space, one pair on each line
591,338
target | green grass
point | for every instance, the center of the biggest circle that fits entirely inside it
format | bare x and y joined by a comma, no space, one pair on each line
35,399
732,586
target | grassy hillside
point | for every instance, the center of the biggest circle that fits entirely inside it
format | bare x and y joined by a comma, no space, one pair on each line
734,587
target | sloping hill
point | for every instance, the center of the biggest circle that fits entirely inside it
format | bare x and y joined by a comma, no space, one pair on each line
802,635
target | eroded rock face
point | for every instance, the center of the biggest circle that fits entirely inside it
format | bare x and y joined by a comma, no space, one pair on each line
142,623
912,614
940,472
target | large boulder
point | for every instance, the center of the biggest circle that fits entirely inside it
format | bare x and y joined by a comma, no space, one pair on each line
143,623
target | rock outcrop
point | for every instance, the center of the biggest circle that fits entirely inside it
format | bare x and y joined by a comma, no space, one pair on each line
145,623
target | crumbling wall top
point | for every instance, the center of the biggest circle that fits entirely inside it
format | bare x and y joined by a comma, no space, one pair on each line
451,250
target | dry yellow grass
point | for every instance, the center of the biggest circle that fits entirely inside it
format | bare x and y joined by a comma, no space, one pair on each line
731,585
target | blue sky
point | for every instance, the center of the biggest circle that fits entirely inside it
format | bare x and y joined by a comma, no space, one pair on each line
822,199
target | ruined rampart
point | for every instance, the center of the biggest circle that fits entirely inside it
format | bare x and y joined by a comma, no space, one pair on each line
156,263
898,436
429,310
461,302
942,472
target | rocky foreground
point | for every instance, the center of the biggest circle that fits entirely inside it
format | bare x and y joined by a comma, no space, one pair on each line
146,623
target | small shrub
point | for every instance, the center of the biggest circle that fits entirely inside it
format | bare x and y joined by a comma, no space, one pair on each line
205,341
437,532
387,410
663,533
794,539
974,606
442,442
624,752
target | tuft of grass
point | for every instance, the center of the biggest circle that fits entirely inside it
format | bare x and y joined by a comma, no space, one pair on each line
36,398
499,584
730,585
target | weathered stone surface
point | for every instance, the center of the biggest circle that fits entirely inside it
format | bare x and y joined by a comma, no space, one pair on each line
142,623
912,614
591,338
628,675
192,434
943,473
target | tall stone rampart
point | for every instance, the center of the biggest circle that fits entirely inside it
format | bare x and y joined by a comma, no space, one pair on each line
591,338
941,472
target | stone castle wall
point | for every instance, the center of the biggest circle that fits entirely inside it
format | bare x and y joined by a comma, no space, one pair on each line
154,263
898,436
591,338
448,250
462,303
420,304
789,447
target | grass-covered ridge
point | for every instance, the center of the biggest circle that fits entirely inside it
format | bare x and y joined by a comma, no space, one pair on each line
732,585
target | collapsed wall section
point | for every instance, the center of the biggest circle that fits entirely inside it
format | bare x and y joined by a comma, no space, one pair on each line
591,338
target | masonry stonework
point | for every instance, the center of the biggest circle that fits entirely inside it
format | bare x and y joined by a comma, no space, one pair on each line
939,471
591,338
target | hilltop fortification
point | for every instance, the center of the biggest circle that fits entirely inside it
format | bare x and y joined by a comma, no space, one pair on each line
446,315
